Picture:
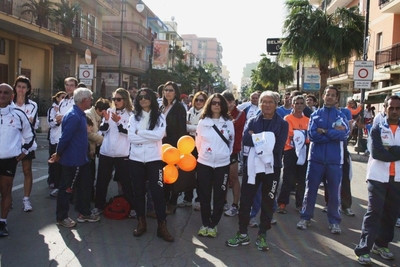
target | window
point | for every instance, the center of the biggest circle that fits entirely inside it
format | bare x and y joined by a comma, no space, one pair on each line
379,41
2,46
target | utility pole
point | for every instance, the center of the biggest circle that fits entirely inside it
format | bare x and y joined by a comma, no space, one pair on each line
360,145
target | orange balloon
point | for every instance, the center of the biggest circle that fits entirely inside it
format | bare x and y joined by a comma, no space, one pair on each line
164,147
187,162
170,174
186,144
171,155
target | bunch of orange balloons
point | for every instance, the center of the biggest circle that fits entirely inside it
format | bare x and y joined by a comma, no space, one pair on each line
180,156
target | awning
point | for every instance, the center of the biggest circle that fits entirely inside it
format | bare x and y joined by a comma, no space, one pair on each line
377,95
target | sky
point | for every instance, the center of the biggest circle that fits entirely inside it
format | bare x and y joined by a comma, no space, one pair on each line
241,27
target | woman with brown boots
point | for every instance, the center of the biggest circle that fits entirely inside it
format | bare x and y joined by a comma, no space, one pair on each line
146,130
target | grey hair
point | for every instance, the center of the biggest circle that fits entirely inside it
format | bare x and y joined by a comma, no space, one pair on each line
274,95
81,93
298,97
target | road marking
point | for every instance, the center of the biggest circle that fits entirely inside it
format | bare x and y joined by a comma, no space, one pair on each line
34,181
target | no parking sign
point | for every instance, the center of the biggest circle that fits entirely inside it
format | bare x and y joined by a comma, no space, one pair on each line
86,71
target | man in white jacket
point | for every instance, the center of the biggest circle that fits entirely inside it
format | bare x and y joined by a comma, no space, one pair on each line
383,177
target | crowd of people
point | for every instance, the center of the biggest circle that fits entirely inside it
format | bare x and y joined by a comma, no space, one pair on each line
258,140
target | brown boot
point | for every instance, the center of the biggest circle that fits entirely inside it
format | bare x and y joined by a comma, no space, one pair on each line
162,231
142,226
170,209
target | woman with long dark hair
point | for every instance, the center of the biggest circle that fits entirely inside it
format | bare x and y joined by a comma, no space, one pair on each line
22,89
146,130
214,142
175,116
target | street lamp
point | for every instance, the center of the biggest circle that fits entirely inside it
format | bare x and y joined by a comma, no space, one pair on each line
123,2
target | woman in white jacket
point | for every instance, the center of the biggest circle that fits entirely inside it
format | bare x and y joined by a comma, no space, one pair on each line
114,150
214,141
146,130
193,117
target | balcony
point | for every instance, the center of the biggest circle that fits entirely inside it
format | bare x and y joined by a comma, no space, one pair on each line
341,74
331,5
99,42
13,21
129,65
390,6
105,7
388,59
132,30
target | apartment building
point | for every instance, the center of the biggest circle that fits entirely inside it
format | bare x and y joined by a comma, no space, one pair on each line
383,49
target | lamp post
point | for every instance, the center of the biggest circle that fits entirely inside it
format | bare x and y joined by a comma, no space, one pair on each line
120,43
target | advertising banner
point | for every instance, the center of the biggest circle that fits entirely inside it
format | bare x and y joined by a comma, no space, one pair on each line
160,54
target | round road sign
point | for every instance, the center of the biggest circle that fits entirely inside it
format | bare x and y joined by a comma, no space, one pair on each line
86,74
362,73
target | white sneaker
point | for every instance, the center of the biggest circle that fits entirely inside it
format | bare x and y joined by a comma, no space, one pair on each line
398,222
97,211
226,206
27,205
232,211
253,222
184,203
197,206
132,214
54,193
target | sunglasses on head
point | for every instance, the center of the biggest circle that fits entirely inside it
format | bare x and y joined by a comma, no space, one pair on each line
117,99
201,100
140,97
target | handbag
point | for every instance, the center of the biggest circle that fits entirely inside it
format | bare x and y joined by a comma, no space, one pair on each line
221,135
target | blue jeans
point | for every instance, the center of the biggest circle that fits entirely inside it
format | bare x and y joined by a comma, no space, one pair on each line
80,180
380,218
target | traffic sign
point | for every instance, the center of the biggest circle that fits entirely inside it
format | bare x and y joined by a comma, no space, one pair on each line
363,70
86,71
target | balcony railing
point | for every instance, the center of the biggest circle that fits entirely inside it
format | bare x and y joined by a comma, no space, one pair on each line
96,37
383,3
344,68
388,56
128,28
136,63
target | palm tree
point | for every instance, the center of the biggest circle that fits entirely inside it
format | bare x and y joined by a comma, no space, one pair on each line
41,10
269,74
311,33
67,16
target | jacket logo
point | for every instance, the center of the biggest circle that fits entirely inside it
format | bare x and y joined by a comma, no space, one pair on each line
209,150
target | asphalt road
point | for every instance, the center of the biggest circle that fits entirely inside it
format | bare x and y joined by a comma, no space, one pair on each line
35,240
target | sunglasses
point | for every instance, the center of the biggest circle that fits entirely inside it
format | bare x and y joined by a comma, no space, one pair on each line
214,103
117,99
169,90
140,97
201,100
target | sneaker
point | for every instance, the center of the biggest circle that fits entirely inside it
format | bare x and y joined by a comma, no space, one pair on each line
3,229
89,218
232,211
238,240
273,221
203,231
383,252
262,245
303,224
132,214
51,186
54,193
398,222
253,222
226,206
68,222
335,229
212,232
348,212
325,209
184,203
364,259
281,209
196,206
27,205
97,211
